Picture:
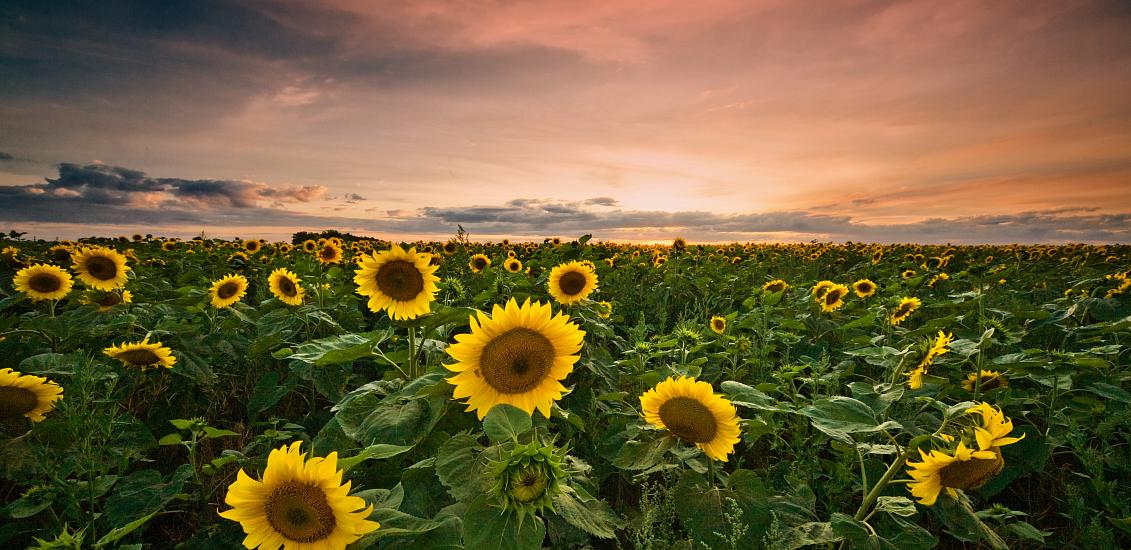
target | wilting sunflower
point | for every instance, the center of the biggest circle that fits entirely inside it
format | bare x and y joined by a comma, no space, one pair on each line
478,263
399,282
718,324
514,265
143,354
904,309
833,298
108,299
776,285
330,253
936,348
228,290
43,282
864,288
100,268
519,355
285,285
965,469
991,380
692,411
572,282
820,289
301,504
25,395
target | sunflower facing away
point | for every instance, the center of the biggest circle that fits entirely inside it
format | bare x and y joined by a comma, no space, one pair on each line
519,356
109,299
936,348
864,288
776,285
718,324
25,395
43,282
301,504
285,285
991,380
833,298
478,263
904,310
572,282
143,354
692,411
228,290
100,268
399,282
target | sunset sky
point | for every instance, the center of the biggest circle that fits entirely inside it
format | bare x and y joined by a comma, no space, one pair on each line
928,121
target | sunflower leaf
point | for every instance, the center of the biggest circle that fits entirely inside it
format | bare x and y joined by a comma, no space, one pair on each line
505,422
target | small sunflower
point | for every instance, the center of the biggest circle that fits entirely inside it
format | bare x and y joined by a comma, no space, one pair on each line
251,246
691,411
309,246
864,288
718,324
228,290
143,354
301,504
514,265
776,285
519,355
286,286
833,298
109,299
939,346
43,282
604,309
572,282
100,268
330,253
478,263
904,310
991,380
907,273
25,395
965,469
399,282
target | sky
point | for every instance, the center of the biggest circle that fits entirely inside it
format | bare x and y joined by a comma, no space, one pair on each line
716,120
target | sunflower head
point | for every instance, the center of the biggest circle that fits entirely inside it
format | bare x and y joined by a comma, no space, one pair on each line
251,246
961,469
109,299
100,268
286,286
478,263
513,265
904,309
864,288
309,246
833,298
527,477
718,324
399,282
142,355
820,289
43,282
228,290
990,380
776,285
572,282
691,411
25,395
604,309
907,273
330,253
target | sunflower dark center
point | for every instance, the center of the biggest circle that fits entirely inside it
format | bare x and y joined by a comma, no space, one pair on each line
776,287
400,280
517,361
902,310
139,357
864,287
227,290
109,299
328,253
44,282
832,296
992,383
689,419
16,402
101,268
479,263
300,512
719,324
572,283
973,473
287,287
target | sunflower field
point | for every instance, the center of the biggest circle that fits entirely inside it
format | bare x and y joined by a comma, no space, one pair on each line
339,392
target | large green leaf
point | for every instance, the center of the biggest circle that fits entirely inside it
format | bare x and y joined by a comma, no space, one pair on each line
746,396
588,514
489,527
457,466
334,350
839,416
505,422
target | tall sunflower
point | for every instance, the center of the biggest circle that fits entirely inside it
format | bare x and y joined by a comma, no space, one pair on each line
228,290
833,298
572,282
691,411
399,282
285,285
864,288
519,355
309,246
43,282
301,504
143,354
100,268
25,395
904,310
478,263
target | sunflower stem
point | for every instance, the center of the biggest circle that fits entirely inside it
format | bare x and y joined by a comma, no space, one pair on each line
874,494
412,367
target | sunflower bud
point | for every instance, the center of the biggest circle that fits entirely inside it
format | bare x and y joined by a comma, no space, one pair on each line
528,476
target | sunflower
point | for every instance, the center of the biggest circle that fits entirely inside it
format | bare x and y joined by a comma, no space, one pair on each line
776,285
109,299
908,273
991,380
251,246
659,261
143,354
820,289
937,278
401,283
965,469
309,246
228,290
25,395
904,309
864,288
691,411
604,309
995,427
451,247
301,504
718,324
572,282
478,263
833,298
936,348
519,355
101,268
330,253
285,285
169,246
43,282
514,265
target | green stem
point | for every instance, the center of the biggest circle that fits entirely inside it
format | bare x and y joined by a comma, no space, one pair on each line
872,495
